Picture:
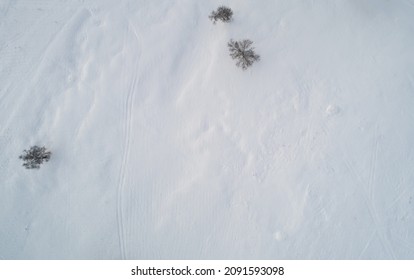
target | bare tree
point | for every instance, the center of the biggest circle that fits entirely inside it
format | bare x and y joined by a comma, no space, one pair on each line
34,157
243,52
222,13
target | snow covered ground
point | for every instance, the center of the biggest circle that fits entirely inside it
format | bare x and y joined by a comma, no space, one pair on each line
163,148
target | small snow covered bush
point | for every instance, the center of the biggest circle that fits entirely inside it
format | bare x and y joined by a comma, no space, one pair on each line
243,52
34,157
222,13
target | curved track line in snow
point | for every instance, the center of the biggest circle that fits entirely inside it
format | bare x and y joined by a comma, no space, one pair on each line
373,166
127,113
371,237
370,194
373,171
367,191
121,180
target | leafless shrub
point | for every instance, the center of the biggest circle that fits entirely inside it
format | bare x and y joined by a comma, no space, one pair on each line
222,13
243,52
34,157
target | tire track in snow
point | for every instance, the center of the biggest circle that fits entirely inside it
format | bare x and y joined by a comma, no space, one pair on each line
368,193
373,166
121,177
360,182
127,113
371,237
374,212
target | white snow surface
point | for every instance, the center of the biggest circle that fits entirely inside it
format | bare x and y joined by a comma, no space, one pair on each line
163,149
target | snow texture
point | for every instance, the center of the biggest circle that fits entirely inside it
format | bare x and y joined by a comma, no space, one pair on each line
163,149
